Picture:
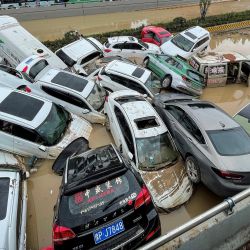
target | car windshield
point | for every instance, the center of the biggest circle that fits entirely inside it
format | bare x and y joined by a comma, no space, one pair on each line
197,77
37,68
155,152
54,126
182,42
165,39
243,118
4,194
143,44
153,83
96,97
231,141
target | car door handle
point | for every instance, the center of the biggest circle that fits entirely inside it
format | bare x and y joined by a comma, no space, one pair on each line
190,139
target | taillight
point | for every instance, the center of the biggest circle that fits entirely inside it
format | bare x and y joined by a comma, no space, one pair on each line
106,98
143,197
227,175
107,50
61,233
152,233
27,89
25,69
184,78
98,78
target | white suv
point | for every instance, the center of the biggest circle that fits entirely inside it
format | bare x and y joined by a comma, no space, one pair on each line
13,203
119,75
129,46
187,43
32,126
142,137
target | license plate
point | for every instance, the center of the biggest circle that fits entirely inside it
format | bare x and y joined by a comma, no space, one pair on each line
108,231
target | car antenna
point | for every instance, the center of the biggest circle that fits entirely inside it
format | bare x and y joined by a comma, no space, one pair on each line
222,125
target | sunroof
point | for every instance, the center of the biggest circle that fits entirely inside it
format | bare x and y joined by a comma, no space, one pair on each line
138,72
70,81
146,122
190,35
20,105
200,106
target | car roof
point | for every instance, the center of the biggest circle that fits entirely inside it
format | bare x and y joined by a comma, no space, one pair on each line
194,33
157,30
79,49
23,108
140,111
128,69
116,39
62,79
208,116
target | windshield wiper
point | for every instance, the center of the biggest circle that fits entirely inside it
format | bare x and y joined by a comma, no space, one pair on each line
111,202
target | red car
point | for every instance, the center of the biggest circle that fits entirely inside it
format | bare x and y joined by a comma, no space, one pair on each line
155,35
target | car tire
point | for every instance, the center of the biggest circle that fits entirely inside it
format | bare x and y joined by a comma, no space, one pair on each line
166,82
145,62
107,124
193,170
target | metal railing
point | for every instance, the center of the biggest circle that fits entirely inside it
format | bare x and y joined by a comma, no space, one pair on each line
225,206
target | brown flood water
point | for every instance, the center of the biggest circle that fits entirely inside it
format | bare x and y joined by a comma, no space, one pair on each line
43,185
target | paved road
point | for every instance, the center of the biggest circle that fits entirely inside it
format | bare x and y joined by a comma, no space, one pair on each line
26,14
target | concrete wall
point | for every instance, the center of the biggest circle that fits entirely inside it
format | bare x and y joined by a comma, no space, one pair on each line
56,11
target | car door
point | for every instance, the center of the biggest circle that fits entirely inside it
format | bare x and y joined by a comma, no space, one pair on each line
148,37
116,50
6,137
137,50
27,142
118,83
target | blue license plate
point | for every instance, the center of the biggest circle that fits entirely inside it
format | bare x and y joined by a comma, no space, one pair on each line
108,231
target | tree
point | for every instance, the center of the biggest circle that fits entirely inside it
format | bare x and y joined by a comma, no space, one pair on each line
204,4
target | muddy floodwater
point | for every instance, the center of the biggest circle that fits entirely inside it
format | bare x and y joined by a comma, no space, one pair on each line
43,185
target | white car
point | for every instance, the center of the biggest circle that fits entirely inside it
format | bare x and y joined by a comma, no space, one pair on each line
33,126
143,138
80,54
13,203
129,46
187,43
119,75
75,93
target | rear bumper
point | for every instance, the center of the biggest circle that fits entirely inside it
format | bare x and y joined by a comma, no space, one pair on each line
188,90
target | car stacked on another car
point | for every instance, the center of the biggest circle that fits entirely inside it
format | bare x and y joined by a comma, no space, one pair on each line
187,43
102,204
243,118
120,75
13,202
216,149
33,126
143,138
128,46
175,73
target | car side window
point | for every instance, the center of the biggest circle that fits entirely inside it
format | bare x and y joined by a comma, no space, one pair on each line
197,45
90,57
136,86
125,129
156,38
118,46
26,134
135,46
150,34
118,79
186,122
65,97
6,127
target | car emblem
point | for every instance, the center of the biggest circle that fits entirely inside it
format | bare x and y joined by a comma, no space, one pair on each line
130,202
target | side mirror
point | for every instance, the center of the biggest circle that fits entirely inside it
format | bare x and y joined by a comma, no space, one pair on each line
42,148
85,111
130,156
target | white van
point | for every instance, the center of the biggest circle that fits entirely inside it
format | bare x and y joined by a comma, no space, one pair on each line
16,44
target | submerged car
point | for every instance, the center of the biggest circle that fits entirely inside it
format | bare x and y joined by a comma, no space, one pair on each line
175,73
120,75
13,202
155,35
103,203
187,43
216,148
33,126
243,118
128,46
143,138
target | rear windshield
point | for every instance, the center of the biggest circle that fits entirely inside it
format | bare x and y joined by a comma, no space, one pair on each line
4,193
37,68
230,142
65,58
197,77
96,201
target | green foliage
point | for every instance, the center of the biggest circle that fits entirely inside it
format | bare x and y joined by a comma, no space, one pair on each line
177,25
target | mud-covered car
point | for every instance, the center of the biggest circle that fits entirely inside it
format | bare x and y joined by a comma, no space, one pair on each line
216,148
175,73
103,203
143,138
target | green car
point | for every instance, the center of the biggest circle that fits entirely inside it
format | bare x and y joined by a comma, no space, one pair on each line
175,73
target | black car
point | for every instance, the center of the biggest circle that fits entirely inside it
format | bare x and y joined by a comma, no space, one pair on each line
103,204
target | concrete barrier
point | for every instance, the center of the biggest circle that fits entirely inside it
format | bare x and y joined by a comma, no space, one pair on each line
229,26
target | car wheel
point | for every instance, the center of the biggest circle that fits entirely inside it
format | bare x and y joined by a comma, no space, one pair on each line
166,82
145,62
107,124
193,170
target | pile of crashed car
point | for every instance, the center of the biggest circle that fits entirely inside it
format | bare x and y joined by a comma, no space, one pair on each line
164,140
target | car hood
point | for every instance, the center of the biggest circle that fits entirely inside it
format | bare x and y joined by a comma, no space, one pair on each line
78,127
240,163
170,49
170,186
153,47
